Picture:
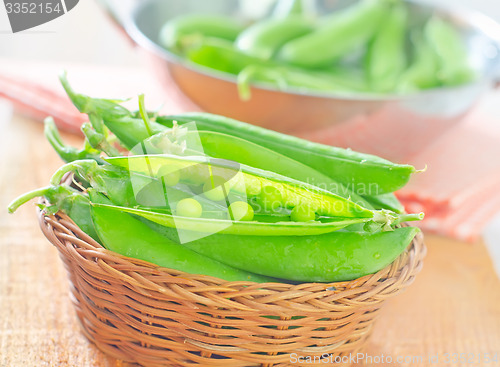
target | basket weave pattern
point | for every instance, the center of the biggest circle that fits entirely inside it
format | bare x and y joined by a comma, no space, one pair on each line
138,312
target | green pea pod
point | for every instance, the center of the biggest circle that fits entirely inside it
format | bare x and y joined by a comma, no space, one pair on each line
240,228
121,233
189,28
264,38
223,146
361,173
62,197
252,181
115,181
454,68
221,55
339,34
331,257
385,201
386,54
290,78
423,71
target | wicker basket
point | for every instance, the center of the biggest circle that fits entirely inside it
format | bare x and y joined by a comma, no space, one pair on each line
138,312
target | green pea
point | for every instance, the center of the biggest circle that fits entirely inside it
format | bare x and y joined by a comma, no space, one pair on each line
189,208
244,185
241,210
302,213
270,197
237,184
252,186
169,175
215,188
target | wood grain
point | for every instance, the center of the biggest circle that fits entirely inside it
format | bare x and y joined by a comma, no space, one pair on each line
453,307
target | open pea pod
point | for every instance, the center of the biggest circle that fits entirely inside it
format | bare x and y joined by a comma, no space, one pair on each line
210,225
244,181
252,181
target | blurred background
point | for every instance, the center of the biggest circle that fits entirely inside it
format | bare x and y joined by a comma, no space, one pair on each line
85,35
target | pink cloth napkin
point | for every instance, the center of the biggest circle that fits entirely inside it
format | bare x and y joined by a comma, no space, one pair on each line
459,191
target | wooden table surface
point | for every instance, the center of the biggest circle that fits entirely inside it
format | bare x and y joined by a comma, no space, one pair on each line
452,308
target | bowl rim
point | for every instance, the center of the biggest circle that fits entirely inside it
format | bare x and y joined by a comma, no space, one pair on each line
471,17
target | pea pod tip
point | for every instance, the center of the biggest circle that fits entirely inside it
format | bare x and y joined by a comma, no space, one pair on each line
421,170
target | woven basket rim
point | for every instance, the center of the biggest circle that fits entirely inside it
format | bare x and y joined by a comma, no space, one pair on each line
63,223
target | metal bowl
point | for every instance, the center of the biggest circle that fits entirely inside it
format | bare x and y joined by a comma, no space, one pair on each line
302,112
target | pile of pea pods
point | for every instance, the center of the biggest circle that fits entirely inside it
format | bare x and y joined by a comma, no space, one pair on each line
206,194
369,47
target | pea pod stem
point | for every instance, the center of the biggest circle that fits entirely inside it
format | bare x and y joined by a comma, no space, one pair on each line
113,115
87,165
144,115
99,141
253,73
408,218
62,198
114,181
106,108
68,153
48,191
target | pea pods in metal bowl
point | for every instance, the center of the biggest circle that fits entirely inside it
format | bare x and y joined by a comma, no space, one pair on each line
298,111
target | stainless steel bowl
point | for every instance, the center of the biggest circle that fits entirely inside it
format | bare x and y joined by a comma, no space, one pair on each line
428,112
